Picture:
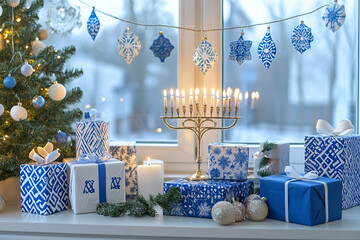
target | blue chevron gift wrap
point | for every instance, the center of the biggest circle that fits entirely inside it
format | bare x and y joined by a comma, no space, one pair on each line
198,197
43,188
336,157
92,137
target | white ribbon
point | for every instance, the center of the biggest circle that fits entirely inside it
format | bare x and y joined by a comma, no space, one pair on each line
47,154
344,128
310,176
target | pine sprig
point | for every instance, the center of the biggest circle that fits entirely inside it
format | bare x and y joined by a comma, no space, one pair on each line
268,146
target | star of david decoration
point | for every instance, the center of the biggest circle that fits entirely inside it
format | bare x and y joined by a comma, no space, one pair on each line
267,49
240,50
301,37
334,16
128,45
205,56
161,47
93,25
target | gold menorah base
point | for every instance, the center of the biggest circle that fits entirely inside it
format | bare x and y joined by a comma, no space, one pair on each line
198,176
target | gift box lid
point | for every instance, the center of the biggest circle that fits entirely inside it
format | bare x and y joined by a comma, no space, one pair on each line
338,137
227,145
122,143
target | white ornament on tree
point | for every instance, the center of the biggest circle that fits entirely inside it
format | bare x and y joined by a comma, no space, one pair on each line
2,109
57,91
26,70
1,11
13,3
2,203
43,34
18,112
37,46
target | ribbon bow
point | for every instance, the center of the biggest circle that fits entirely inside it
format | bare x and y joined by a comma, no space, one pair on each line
93,158
47,155
292,173
344,128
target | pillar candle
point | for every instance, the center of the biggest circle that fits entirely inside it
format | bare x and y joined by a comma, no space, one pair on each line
156,162
150,180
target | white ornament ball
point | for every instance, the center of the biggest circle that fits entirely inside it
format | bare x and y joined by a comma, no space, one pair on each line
26,70
43,34
2,109
2,203
240,211
37,46
223,213
257,210
57,91
18,112
1,11
13,3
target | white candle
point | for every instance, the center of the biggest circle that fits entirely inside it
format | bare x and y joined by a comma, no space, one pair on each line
150,180
253,96
172,98
229,92
165,100
217,98
212,97
183,97
246,96
224,99
197,95
257,96
156,162
191,100
240,100
204,97
177,99
236,96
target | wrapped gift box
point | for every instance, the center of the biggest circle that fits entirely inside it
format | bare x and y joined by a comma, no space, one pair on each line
228,161
306,199
126,152
43,188
92,137
198,197
336,157
93,183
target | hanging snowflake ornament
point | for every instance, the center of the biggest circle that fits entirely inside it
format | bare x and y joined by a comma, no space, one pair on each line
301,37
161,47
240,50
128,45
205,56
93,25
334,16
267,49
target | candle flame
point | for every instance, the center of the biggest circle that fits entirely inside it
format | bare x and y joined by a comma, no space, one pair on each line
213,92
164,92
177,93
240,95
236,92
229,91
246,96
148,161
257,95
217,94
253,95
197,91
204,91
224,93
183,93
191,92
171,92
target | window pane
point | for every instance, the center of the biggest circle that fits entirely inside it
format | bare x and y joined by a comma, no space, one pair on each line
129,95
298,88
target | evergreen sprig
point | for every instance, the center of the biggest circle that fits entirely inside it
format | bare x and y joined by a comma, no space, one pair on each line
267,146
141,207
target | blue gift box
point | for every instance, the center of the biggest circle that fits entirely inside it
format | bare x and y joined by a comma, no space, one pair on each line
43,188
198,197
336,157
228,161
306,199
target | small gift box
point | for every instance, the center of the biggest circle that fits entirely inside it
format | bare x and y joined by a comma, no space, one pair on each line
228,161
336,155
43,186
126,152
198,197
93,181
306,200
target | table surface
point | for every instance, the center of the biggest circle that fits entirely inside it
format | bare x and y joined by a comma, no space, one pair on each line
66,225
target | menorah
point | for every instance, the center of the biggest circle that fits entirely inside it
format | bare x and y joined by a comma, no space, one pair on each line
200,121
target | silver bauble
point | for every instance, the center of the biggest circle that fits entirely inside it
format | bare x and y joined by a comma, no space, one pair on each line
57,91
240,211
251,198
2,203
26,70
18,112
43,34
13,3
223,213
257,210
1,11
2,109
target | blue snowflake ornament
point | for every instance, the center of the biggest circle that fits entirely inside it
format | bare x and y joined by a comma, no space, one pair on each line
334,16
93,25
128,45
205,56
301,37
267,49
240,50
162,47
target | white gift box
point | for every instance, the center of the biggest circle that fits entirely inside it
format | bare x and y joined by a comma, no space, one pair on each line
92,183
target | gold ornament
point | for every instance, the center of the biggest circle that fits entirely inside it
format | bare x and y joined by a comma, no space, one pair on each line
223,213
257,210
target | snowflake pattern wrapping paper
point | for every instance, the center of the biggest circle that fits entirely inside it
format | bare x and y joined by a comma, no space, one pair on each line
93,183
205,56
334,16
198,197
128,45
93,25
240,50
336,157
162,47
267,49
228,161
126,152
43,188
301,37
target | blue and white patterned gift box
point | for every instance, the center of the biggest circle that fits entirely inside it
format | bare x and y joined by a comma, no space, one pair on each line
126,152
336,157
92,137
43,188
198,197
228,161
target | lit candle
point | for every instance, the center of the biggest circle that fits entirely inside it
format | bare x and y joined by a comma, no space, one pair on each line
156,162
240,98
183,97
253,96
257,96
197,99
229,92
150,179
236,97
246,96
172,99
212,97
191,100
204,97
165,101
224,98
177,101
217,98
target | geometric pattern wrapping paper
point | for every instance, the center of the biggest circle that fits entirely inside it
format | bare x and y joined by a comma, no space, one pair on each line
92,137
228,161
126,152
336,157
43,188
198,197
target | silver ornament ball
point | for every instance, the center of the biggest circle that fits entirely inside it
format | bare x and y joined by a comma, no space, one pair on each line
240,211
2,203
257,210
13,3
2,109
1,11
26,70
18,112
250,198
57,91
223,213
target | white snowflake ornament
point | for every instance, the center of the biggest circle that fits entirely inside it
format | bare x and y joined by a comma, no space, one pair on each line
128,45
267,49
205,56
301,37
240,50
334,16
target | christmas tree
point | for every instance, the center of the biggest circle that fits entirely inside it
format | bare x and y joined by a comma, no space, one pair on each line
18,46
